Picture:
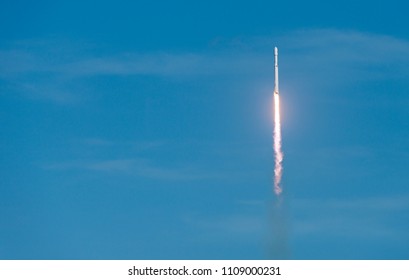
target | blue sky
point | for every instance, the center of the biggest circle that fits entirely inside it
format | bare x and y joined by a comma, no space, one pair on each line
143,130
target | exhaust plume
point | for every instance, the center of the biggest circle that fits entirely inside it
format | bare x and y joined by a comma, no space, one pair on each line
278,154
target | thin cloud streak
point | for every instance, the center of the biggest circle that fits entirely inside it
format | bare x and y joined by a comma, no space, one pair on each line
364,218
240,225
336,56
132,167
368,203
316,46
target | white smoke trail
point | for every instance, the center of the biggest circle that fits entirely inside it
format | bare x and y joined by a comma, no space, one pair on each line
278,168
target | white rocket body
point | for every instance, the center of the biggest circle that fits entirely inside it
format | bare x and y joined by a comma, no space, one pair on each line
275,70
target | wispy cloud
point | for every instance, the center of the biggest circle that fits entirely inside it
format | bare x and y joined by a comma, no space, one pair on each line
348,227
239,225
324,61
315,56
132,167
368,203
135,145
98,142
359,218
160,64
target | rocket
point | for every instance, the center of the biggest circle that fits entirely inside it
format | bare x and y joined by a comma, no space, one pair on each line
275,70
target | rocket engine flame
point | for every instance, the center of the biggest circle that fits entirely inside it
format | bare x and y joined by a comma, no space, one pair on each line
278,168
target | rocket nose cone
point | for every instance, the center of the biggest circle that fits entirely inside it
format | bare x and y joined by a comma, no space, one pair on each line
275,51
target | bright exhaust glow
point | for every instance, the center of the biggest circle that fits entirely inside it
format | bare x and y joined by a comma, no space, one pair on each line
278,168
